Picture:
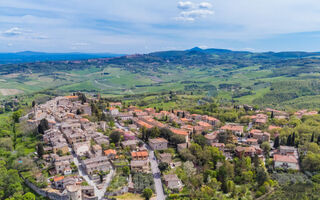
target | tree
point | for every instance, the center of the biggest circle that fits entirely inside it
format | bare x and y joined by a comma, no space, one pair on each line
126,170
266,147
147,193
293,138
115,137
200,139
272,115
33,104
177,139
40,150
43,126
16,115
276,142
262,175
29,196
289,140
312,137
318,141
163,166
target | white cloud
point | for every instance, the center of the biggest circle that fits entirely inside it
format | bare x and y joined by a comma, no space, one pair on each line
15,31
192,11
185,5
205,5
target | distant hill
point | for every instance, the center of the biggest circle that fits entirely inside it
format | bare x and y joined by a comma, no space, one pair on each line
30,56
276,79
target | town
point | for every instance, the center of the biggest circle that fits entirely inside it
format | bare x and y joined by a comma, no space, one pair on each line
140,150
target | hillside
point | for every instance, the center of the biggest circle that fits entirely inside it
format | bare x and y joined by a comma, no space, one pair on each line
284,79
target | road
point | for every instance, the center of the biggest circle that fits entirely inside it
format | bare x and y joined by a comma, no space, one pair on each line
154,168
121,127
98,192
156,174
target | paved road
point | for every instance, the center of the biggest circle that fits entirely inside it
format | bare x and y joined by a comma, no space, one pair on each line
121,127
98,192
156,175
154,168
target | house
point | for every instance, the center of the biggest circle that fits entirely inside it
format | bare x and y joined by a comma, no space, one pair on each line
206,126
287,150
113,111
97,150
211,120
102,140
88,192
220,146
212,138
235,129
172,181
141,124
115,104
252,141
140,155
302,113
62,167
132,144
260,119
181,132
110,153
61,182
62,147
165,157
248,151
182,146
140,166
260,136
97,164
285,162
81,148
158,144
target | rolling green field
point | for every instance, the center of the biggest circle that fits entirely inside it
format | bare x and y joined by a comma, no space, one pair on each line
242,77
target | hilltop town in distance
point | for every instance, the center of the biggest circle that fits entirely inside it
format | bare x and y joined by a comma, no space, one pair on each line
94,148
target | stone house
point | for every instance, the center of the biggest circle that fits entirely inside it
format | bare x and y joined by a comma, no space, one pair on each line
172,181
158,144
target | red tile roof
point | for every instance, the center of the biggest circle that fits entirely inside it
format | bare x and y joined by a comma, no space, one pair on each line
284,158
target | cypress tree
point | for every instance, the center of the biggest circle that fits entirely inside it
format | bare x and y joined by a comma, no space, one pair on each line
312,138
293,139
318,140
289,140
40,150
272,115
276,142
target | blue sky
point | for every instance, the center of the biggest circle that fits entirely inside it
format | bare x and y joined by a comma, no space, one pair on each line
141,26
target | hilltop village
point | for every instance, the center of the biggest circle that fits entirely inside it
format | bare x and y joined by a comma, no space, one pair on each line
153,152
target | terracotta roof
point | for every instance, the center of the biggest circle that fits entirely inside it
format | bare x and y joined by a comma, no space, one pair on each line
284,158
205,124
142,123
139,154
71,97
232,127
59,178
110,151
271,127
84,120
179,131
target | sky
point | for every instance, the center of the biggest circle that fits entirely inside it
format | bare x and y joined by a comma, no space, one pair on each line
142,26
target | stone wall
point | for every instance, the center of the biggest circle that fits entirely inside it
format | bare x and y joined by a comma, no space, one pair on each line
50,195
